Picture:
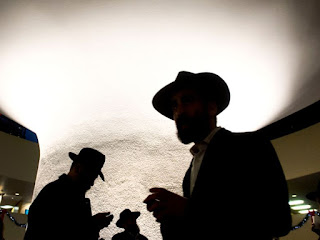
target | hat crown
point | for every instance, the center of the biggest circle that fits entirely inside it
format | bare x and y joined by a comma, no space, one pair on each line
126,214
91,158
209,85
91,153
184,75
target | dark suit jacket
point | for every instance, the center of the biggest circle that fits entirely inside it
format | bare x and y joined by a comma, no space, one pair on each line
60,212
240,192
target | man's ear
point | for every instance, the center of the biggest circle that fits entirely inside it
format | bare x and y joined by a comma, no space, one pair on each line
77,167
212,108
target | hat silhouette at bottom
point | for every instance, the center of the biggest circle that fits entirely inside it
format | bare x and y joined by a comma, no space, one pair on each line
125,215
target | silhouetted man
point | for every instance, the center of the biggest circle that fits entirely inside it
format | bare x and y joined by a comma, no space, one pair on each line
128,221
61,210
235,187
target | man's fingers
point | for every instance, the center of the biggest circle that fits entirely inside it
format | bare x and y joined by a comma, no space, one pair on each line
151,197
157,215
157,190
157,202
164,203
153,206
103,214
157,193
160,215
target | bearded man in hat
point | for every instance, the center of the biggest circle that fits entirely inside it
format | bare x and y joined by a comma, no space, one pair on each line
231,176
61,211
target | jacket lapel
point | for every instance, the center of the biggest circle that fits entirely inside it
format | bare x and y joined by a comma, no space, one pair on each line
206,170
186,182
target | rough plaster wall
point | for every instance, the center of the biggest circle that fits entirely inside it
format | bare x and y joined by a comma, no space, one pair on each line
136,160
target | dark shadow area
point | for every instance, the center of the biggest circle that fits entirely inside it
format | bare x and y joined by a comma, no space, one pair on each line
297,121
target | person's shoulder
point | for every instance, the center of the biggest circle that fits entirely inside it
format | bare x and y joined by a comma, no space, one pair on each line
243,139
47,196
52,188
227,135
118,236
254,135
54,184
142,237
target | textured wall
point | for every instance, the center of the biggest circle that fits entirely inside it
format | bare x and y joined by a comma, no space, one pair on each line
136,160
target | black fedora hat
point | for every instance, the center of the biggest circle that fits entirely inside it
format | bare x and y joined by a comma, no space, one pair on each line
90,157
314,195
125,215
209,85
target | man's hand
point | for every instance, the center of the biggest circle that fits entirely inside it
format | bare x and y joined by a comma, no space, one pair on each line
102,220
164,203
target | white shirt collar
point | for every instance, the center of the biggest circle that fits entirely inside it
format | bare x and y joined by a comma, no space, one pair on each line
199,147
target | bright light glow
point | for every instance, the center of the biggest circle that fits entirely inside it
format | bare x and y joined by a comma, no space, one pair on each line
294,195
306,211
301,207
6,206
15,209
303,211
83,73
296,202
94,63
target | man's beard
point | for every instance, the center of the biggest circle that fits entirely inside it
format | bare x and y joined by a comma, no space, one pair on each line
197,128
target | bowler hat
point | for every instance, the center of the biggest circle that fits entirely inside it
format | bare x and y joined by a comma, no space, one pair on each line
125,215
91,158
209,85
313,195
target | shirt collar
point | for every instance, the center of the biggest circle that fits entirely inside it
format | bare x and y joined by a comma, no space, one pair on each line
202,146
208,139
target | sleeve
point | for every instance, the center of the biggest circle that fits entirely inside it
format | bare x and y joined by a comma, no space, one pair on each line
39,218
274,198
48,218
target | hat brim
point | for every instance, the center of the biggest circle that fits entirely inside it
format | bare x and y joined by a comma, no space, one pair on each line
101,176
120,222
74,157
208,83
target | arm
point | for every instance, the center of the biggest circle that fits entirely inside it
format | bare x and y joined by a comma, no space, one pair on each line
165,204
273,181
